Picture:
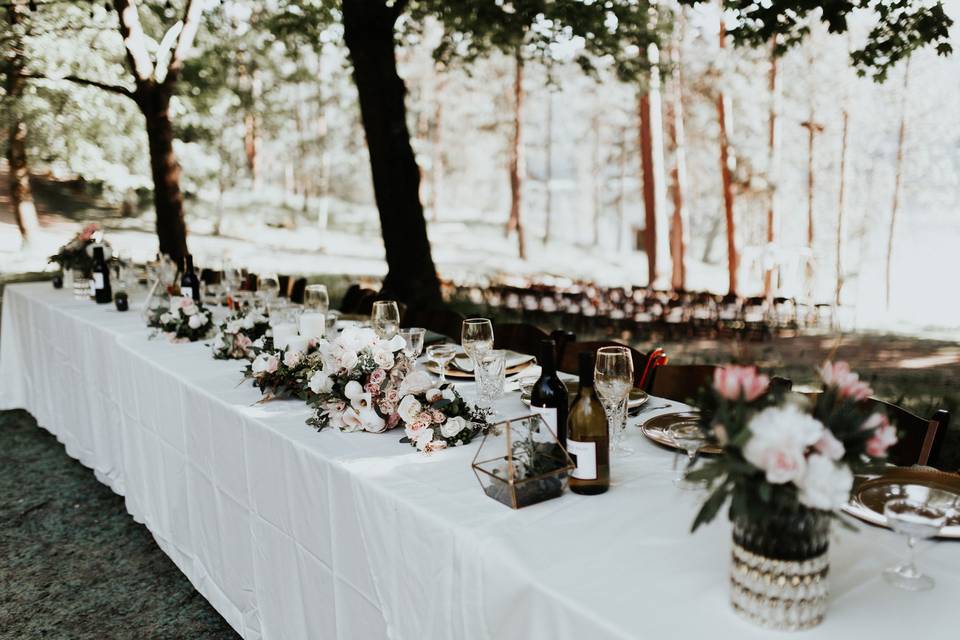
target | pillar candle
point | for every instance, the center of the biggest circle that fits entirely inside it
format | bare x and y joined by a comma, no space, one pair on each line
282,333
298,343
313,325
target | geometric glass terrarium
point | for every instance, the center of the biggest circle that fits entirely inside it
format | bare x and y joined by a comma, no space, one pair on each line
520,462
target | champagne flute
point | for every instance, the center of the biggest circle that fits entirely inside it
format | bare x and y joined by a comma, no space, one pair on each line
268,288
385,319
476,337
442,354
413,342
917,521
690,438
613,379
316,298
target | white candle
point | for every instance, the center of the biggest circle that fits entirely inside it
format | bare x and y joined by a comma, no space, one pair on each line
297,343
282,333
313,325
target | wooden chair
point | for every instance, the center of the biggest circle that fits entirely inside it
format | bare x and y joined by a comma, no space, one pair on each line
523,338
571,354
284,282
297,290
920,438
356,299
681,382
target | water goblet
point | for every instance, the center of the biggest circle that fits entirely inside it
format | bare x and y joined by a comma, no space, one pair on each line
316,298
385,319
490,374
917,521
613,379
268,287
476,337
442,354
413,342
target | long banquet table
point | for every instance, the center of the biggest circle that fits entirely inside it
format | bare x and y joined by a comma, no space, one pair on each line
290,533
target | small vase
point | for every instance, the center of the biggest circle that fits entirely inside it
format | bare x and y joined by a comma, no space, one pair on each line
778,574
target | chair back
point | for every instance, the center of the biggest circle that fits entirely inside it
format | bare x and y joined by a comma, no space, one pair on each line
920,439
680,382
297,290
571,354
523,338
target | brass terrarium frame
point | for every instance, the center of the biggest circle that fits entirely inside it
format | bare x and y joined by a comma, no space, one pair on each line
521,491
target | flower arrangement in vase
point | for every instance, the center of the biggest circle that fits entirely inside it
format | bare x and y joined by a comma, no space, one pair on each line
182,321
77,254
787,467
357,383
435,417
241,335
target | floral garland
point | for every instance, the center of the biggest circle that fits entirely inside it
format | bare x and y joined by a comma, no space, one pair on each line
283,374
783,452
182,321
358,382
241,335
437,417
78,252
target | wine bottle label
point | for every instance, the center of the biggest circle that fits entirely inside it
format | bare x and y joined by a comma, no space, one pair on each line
584,454
97,282
549,415
186,292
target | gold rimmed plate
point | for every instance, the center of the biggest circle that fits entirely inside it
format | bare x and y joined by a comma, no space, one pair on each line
658,429
516,362
636,400
938,489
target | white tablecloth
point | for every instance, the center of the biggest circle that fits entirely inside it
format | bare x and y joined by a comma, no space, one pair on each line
291,533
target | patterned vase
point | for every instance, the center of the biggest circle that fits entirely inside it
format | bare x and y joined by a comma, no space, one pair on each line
778,574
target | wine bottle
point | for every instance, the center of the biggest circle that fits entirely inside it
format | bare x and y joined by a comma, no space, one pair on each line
588,441
100,283
549,394
189,283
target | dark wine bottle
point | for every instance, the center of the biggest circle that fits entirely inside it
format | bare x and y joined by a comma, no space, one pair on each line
189,283
100,282
588,441
549,394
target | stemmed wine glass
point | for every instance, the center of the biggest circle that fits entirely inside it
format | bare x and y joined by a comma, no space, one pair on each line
690,438
413,342
476,337
613,379
268,288
917,521
442,354
385,319
232,280
316,298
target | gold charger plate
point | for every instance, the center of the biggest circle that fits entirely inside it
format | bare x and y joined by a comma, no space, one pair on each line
459,374
658,429
636,400
939,489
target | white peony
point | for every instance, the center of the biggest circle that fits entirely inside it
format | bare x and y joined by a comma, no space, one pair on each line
247,322
166,318
396,343
292,358
433,395
779,439
449,394
218,344
826,485
425,438
383,358
371,420
189,310
416,382
453,426
350,420
234,326
259,364
197,321
409,408
320,382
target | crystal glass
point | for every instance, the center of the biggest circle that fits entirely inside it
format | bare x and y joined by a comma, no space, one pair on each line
442,354
268,288
917,521
232,279
490,374
316,298
476,337
613,379
690,438
413,342
385,318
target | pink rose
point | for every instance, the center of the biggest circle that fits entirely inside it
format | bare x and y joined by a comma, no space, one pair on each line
393,396
378,376
292,358
884,435
241,341
386,408
272,363
733,382
847,383
437,416
393,420
88,231
435,445
372,389
425,417
415,428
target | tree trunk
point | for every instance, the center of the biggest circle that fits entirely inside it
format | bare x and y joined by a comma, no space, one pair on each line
727,162
436,164
21,197
678,173
623,236
657,231
773,167
811,139
549,169
841,205
898,178
154,103
369,34
515,223
596,180
250,143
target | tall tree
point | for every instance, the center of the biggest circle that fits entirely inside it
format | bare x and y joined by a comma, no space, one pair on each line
897,180
656,232
773,164
516,163
841,202
678,171
728,162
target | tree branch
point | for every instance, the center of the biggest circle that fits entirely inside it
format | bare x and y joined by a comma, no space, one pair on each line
112,88
134,40
192,14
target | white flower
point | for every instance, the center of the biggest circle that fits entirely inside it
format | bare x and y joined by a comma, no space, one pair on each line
345,359
409,408
416,382
433,395
259,364
189,310
234,326
779,438
166,318
383,358
247,322
350,420
449,394
425,438
258,343
829,446
453,426
371,420
197,321
826,484
352,390
218,344
292,358
396,343
320,382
